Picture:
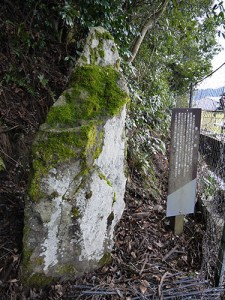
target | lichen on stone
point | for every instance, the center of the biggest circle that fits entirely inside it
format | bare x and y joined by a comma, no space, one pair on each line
75,212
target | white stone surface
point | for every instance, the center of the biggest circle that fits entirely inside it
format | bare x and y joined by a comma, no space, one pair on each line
111,55
57,183
110,163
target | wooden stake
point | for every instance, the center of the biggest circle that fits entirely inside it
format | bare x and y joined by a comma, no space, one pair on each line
179,224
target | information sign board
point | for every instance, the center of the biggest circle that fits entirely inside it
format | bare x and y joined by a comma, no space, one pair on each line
185,131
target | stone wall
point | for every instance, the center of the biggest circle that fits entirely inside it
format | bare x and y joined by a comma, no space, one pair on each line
76,192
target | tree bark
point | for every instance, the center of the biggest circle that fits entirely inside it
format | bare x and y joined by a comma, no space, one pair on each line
147,26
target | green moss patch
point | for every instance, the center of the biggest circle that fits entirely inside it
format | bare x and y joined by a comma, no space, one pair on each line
75,212
38,280
66,270
27,251
50,149
54,147
94,94
103,177
105,260
26,256
62,114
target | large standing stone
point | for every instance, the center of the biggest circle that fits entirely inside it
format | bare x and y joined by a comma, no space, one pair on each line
77,188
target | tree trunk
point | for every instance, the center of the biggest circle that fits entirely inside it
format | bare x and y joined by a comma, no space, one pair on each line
147,26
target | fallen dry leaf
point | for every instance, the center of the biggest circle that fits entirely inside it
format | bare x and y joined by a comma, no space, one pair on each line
15,258
142,288
159,244
105,269
145,283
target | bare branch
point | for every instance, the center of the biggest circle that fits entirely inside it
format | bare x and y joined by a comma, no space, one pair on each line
147,26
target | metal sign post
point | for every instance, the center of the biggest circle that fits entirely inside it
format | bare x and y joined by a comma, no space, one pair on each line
185,131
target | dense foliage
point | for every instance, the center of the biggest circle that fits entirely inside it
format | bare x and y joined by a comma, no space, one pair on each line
175,53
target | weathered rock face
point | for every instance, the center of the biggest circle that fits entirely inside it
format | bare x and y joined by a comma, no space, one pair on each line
77,187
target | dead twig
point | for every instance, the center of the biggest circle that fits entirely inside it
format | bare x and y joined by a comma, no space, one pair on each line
141,214
144,264
160,286
8,129
170,253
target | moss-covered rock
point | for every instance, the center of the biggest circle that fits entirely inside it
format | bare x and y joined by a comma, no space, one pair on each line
75,197
94,95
